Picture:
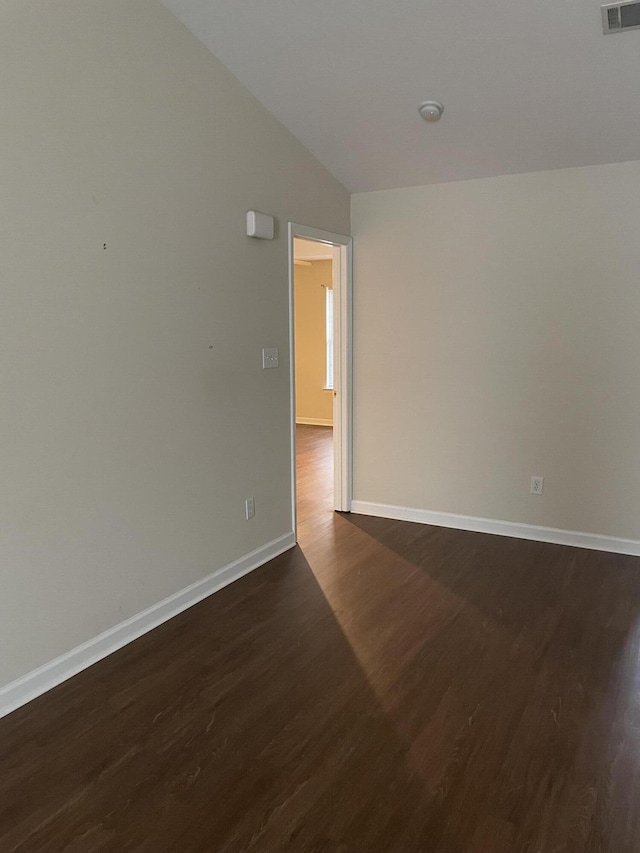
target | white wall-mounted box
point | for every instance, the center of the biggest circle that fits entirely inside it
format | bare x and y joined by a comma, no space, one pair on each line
259,225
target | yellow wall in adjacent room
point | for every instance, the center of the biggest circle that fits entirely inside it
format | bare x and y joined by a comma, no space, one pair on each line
313,402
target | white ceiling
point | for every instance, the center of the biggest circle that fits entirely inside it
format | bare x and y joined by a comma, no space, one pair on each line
526,85
309,250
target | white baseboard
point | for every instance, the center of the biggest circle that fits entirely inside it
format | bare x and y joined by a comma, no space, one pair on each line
315,421
553,535
37,682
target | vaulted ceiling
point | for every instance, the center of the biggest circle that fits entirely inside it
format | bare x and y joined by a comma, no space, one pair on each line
526,85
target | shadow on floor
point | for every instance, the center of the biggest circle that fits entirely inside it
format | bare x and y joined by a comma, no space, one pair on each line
546,638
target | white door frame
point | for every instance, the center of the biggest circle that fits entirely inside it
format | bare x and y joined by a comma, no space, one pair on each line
342,363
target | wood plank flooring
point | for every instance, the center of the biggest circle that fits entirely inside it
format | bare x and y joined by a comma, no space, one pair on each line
385,687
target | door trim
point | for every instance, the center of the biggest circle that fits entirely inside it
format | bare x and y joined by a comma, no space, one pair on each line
342,364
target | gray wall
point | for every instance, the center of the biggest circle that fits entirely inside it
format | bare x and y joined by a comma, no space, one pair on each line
135,414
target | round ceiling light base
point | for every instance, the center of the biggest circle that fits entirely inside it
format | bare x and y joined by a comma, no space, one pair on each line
431,110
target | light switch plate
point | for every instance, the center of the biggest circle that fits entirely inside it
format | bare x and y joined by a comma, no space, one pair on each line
270,357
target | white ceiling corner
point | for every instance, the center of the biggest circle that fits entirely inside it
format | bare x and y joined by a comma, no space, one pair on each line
310,250
526,86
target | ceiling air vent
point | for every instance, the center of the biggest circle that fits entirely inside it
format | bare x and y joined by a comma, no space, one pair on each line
617,17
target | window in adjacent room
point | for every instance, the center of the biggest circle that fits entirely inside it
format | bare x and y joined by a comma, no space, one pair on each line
329,337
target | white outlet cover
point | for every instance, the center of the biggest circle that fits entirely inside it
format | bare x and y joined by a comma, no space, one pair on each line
249,508
537,485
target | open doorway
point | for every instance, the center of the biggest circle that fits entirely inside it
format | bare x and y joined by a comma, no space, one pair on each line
313,294
320,327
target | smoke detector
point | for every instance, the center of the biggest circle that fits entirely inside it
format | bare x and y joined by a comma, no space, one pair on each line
431,110
617,17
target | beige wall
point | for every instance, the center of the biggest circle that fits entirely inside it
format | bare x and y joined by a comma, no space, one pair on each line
136,417
497,337
312,401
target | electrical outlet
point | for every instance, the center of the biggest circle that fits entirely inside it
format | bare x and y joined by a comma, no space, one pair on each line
537,484
249,508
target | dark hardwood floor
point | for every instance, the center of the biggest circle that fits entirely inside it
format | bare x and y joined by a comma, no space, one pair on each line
384,687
